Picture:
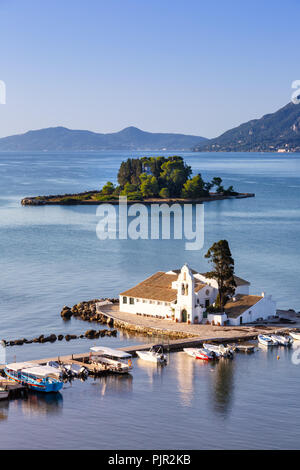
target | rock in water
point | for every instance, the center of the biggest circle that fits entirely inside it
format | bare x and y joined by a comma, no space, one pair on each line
66,313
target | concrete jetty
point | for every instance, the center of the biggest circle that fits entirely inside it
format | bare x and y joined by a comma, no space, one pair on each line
170,346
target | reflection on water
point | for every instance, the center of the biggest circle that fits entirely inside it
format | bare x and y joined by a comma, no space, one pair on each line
114,384
4,404
223,385
185,366
153,370
42,404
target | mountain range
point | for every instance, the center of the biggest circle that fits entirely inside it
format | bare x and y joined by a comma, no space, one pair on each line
276,132
279,131
130,138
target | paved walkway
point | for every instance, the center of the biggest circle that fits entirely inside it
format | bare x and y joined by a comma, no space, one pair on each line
203,331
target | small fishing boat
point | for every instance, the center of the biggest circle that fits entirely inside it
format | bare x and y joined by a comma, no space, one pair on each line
155,354
34,376
111,360
60,367
76,370
245,347
295,335
219,349
201,353
266,340
282,340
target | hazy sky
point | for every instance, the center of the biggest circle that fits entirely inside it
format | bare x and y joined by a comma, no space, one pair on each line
191,66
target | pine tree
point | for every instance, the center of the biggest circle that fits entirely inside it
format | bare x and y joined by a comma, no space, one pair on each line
219,255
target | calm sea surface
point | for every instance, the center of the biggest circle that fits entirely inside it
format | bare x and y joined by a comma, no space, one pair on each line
50,256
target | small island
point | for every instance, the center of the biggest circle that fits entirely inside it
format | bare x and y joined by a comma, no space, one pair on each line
149,179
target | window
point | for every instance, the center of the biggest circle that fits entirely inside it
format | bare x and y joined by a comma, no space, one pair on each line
206,302
131,300
124,300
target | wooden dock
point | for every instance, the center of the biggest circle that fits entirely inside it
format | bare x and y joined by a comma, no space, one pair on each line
14,389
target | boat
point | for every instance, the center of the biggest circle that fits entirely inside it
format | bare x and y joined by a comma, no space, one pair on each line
60,368
219,349
76,370
245,347
111,360
34,376
282,340
201,353
155,354
266,340
295,335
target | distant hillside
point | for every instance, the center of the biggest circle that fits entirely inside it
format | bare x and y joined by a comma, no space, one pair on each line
63,139
272,133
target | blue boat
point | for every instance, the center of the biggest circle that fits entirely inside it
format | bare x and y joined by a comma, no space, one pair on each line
35,377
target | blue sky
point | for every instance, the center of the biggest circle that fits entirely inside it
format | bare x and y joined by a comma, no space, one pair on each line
198,67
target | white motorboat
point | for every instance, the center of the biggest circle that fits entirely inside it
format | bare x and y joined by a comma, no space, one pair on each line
219,349
266,340
155,354
201,353
112,360
76,370
60,367
295,335
282,340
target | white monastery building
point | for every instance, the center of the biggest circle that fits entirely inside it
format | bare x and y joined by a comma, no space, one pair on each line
183,295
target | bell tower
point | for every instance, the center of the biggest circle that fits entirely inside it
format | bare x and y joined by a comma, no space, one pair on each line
185,296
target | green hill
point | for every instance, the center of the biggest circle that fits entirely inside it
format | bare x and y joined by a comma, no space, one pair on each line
273,132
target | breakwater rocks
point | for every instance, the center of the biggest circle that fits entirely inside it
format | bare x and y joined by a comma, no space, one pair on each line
89,334
87,311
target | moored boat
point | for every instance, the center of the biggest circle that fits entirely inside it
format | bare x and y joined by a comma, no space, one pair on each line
155,354
282,340
201,353
111,360
266,340
76,370
219,349
295,335
34,376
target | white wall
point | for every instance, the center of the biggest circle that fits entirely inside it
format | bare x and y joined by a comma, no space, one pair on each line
244,289
262,309
145,307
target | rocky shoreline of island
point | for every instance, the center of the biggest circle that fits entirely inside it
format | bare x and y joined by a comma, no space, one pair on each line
76,199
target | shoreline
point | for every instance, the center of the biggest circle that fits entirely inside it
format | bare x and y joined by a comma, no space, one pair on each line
59,200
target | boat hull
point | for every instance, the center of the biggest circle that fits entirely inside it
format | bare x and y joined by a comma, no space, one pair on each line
35,385
200,354
295,335
145,356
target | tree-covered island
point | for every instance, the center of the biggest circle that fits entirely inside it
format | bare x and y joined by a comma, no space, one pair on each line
148,178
